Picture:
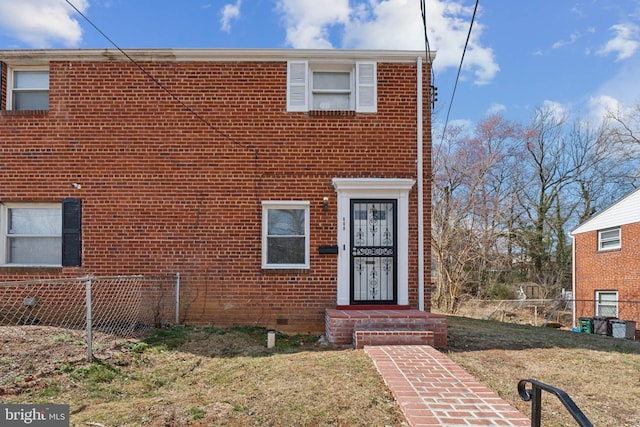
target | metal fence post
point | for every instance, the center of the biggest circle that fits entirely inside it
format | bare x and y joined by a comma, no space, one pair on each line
177,298
89,320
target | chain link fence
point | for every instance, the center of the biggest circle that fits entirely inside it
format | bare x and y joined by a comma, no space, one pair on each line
550,312
87,309
530,311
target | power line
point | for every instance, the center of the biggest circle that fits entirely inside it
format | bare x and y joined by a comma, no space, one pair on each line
156,81
432,87
423,11
455,86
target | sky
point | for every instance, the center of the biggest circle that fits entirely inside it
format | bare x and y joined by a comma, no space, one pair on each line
578,57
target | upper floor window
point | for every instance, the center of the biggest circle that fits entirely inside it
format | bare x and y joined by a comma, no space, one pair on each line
609,239
40,234
331,87
28,89
285,235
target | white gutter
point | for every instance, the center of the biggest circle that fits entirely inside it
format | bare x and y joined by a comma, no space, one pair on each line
573,279
419,162
44,56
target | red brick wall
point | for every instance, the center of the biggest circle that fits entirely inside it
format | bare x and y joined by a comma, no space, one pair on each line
614,270
166,191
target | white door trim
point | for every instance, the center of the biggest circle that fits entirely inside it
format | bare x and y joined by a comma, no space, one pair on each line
372,188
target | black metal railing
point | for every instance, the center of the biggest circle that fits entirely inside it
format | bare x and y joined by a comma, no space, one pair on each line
534,394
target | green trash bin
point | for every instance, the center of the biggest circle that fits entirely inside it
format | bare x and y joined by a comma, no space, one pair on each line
586,325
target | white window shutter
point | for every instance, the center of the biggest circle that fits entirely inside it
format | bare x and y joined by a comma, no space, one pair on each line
366,91
297,90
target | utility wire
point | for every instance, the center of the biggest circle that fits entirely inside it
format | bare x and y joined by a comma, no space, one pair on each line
156,81
423,11
455,86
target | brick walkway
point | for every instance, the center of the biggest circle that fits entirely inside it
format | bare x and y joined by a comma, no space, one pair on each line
433,391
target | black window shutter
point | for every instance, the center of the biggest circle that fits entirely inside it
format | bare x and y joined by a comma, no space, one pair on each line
71,232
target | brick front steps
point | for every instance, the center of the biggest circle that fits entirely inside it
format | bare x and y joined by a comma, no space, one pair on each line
384,327
362,337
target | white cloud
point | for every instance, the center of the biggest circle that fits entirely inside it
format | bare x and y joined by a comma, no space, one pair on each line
40,23
577,11
229,12
621,89
391,24
624,44
557,110
397,24
496,108
561,43
308,22
601,106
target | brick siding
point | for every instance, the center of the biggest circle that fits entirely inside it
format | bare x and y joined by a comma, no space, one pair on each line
166,191
612,270
340,325
362,338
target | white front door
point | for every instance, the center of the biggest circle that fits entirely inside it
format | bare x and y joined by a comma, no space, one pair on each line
373,231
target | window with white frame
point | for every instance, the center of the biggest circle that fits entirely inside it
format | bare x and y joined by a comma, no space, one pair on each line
607,303
32,234
41,234
315,86
609,239
285,234
28,89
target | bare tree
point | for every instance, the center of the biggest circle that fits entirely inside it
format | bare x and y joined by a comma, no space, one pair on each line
570,170
470,183
625,124
506,198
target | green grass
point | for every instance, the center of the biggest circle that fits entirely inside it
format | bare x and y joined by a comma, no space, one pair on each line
169,339
67,338
227,376
197,413
220,376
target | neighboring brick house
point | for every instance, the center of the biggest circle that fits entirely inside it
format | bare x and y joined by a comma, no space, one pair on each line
279,183
607,262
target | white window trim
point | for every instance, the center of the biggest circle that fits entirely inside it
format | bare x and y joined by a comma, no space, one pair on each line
295,204
10,82
339,68
4,215
372,188
363,94
597,302
601,241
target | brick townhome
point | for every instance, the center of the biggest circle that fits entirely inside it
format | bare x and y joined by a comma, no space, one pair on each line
283,185
607,262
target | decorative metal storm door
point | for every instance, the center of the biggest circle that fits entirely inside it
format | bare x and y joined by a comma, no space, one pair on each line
373,252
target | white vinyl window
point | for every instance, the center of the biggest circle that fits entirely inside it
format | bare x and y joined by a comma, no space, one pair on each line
609,239
331,90
285,235
331,87
607,303
28,89
31,234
